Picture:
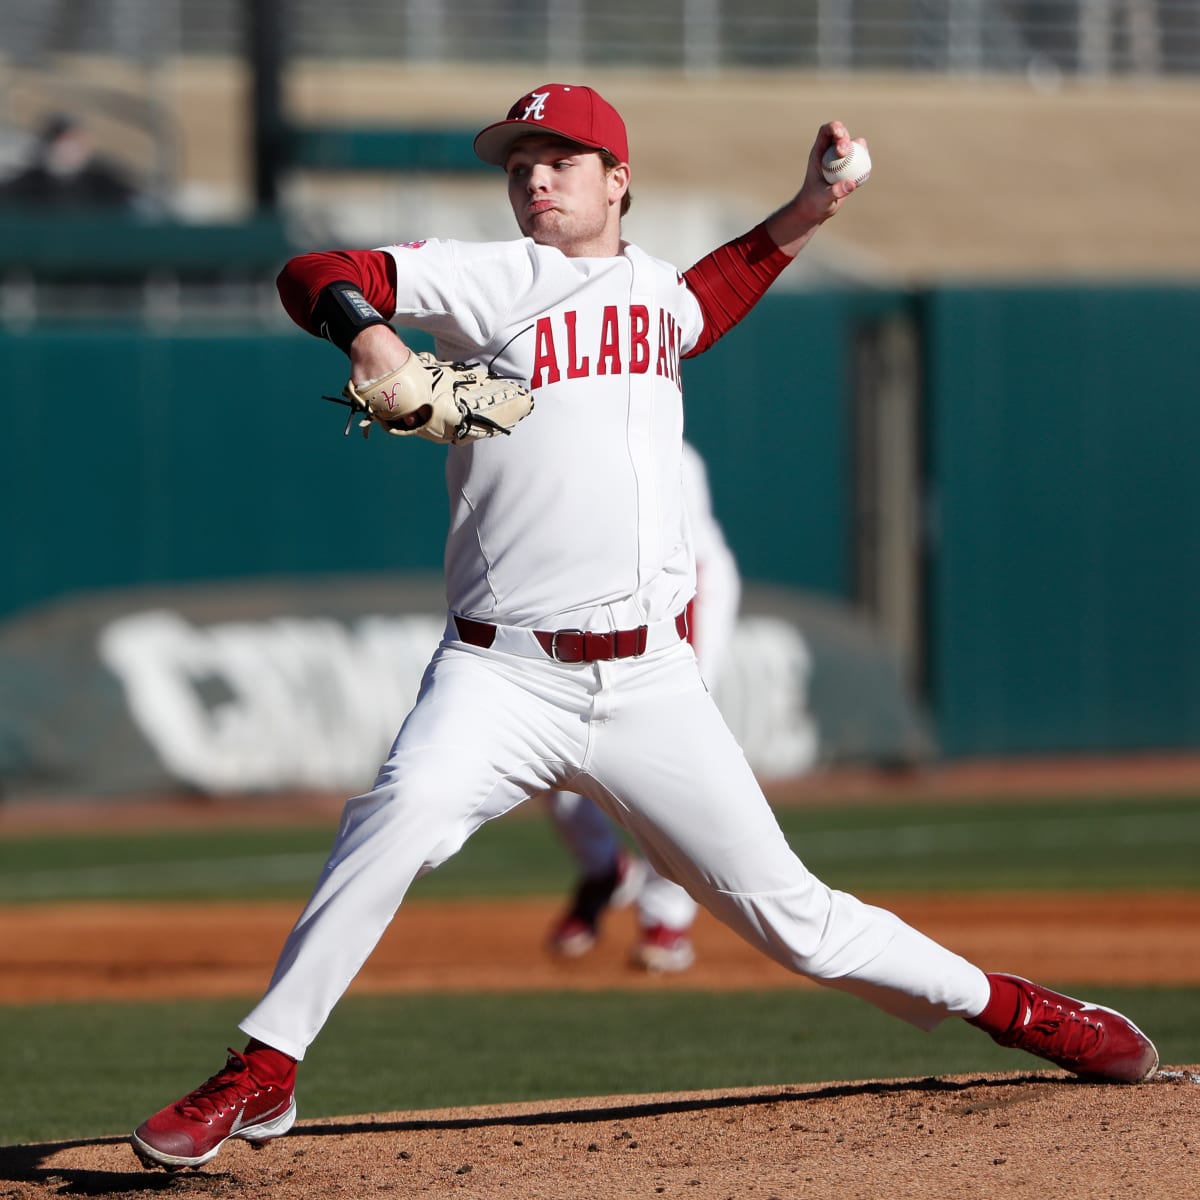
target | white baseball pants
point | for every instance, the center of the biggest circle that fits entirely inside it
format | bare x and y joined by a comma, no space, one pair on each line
643,738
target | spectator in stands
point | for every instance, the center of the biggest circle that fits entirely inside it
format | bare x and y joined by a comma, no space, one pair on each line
66,173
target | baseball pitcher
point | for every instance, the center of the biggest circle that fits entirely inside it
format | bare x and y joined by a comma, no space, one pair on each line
557,392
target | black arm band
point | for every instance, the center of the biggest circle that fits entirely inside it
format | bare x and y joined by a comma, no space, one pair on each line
342,312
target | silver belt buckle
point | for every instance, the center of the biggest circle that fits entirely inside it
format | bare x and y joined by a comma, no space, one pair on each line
554,643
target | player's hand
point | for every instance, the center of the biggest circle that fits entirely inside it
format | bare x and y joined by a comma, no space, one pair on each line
822,198
817,200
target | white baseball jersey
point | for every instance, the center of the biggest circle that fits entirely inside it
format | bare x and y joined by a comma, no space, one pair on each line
576,519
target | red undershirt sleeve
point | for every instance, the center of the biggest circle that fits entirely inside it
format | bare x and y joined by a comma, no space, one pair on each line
300,282
731,280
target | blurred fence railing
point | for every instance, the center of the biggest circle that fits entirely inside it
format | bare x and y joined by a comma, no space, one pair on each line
1083,37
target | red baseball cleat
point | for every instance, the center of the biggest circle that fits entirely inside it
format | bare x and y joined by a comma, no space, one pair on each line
1091,1041
233,1103
663,950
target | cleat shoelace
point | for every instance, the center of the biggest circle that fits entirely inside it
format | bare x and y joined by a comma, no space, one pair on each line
230,1086
1060,1033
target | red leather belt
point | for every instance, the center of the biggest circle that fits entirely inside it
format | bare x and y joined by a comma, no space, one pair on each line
573,645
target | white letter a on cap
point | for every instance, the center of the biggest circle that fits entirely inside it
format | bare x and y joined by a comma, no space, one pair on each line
534,111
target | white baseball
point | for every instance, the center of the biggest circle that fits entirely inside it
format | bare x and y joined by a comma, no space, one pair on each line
856,165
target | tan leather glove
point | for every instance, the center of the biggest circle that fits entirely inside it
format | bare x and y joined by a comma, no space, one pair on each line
441,401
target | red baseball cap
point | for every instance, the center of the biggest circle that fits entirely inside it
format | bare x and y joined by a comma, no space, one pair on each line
569,110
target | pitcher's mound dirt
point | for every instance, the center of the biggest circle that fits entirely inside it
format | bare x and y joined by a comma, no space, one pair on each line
1020,1135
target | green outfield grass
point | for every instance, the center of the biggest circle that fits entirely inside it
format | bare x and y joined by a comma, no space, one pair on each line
1109,843
94,1070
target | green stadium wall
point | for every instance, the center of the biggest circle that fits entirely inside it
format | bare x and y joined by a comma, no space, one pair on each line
1063,434
1060,428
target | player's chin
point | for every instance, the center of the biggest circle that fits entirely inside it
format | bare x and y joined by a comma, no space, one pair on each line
533,224
547,233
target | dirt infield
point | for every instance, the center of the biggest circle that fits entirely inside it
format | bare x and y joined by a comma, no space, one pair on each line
163,951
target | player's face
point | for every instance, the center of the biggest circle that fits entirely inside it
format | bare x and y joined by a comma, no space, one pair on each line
562,195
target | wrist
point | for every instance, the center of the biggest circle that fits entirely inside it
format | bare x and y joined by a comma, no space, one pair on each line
791,227
342,313
376,351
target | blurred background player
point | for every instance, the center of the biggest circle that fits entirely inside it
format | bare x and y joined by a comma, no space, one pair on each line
610,875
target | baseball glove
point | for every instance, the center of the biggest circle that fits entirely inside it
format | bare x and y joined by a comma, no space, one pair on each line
440,401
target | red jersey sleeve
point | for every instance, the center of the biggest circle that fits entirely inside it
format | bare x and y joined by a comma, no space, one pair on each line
731,280
373,272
